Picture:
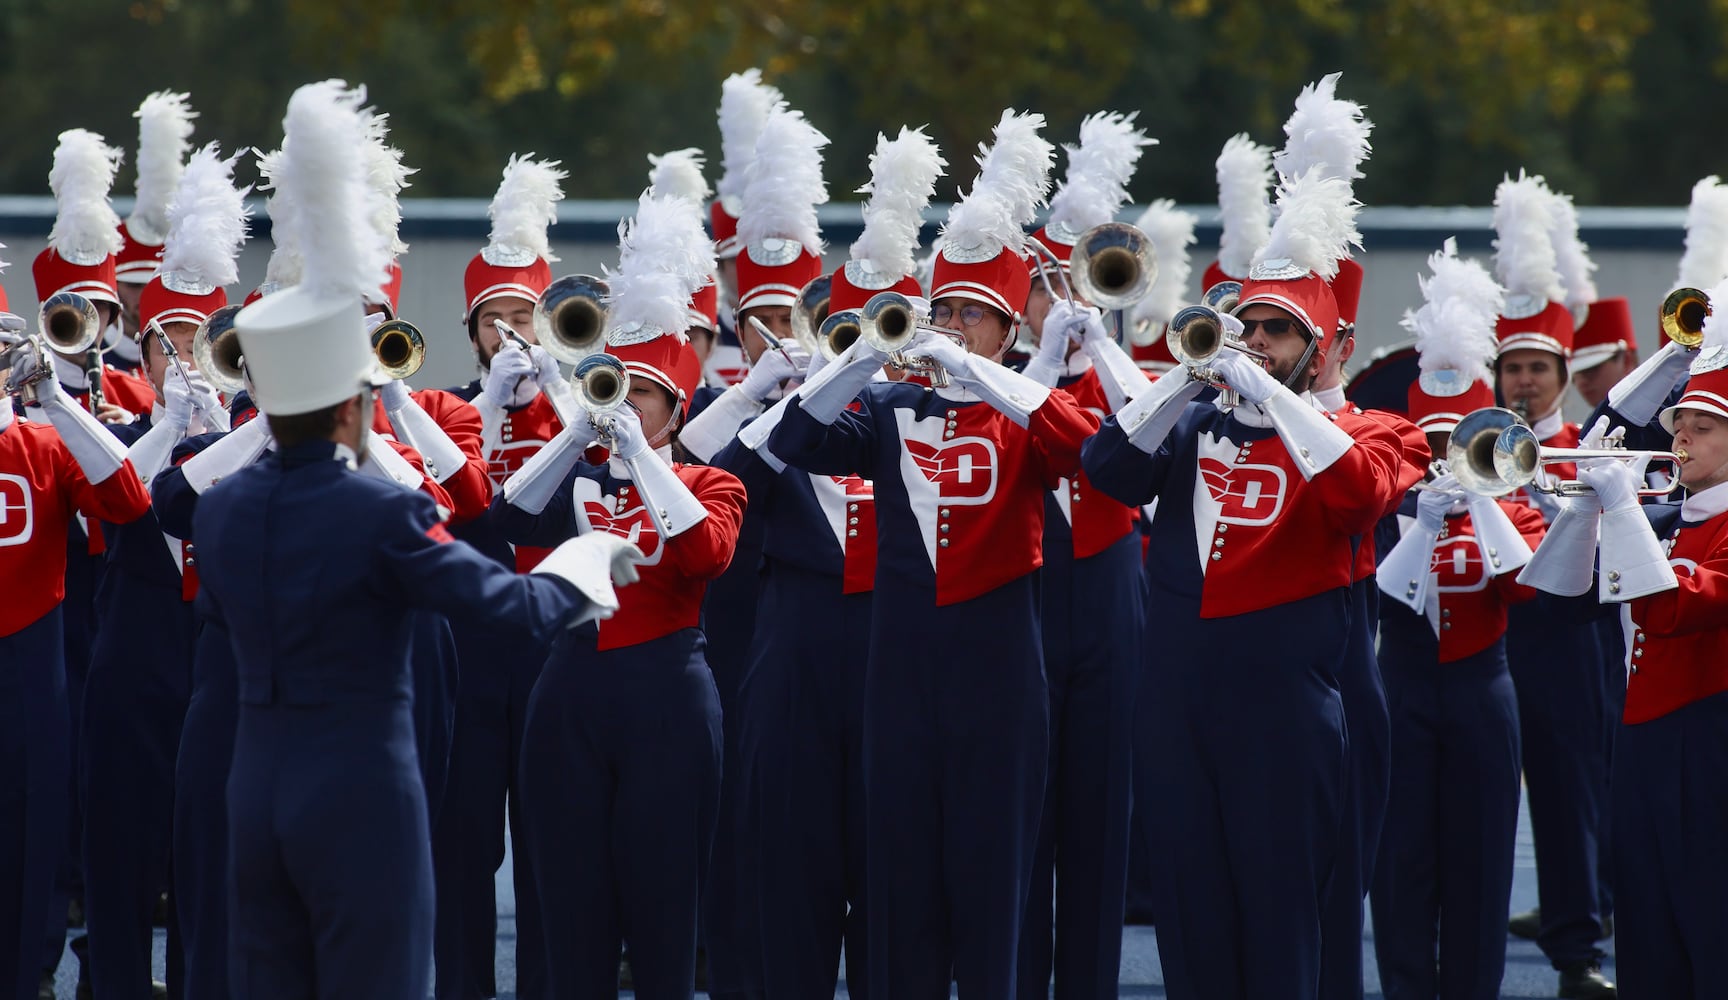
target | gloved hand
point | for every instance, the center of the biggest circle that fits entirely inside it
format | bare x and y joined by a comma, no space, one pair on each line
394,394
772,369
1254,383
1615,482
545,366
945,352
1433,503
1597,436
622,429
509,367
176,400
619,555
1075,322
47,389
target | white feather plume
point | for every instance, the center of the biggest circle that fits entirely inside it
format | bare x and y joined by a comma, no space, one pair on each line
903,173
164,136
1316,224
283,270
1571,255
1244,177
744,105
323,169
387,176
1715,341
1324,131
1098,171
1171,233
207,221
1013,181
664,257
1705,262
85,223
1524,259
679,174
1454,327
526,205
785,182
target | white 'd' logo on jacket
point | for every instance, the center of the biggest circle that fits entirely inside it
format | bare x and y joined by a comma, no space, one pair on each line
17,514
959,472
595,512
1457,565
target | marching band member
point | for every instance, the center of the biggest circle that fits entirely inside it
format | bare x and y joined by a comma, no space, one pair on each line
1280,492
621,747
955,709
745,103
1559,672
324,738
503,283
1092,614
1604,350
800,704
49,472
1445,868
164,140
134,705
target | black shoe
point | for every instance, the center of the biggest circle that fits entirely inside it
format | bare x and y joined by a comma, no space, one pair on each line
1607,928
1525,925
1586,982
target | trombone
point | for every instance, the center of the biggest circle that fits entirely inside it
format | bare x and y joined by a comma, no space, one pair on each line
69,323
1113,265
571,317
216,351
1493,453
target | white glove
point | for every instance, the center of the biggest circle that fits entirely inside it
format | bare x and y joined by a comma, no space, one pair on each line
1075,322
176,401
773,368
510,366
1242,373
951,356
1598,437
394,395
622,429
594,563
546,371
47,389
206,402
1616,483
1434,503
1063,324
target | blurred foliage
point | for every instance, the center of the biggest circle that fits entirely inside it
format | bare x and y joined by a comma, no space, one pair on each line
1617,102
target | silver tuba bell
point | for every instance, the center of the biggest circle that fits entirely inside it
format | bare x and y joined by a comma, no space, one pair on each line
216,351
570,319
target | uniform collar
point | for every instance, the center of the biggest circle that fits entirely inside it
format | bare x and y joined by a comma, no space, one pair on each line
1705,504
314,452
70,373
616,468
1331,400
1550,425
1250,415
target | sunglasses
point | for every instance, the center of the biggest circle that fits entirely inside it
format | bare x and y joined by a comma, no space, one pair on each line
1273,327
969,316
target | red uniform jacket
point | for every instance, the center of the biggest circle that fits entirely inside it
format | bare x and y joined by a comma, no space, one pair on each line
1680,637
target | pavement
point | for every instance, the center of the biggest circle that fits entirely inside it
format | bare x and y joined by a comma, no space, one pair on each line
1528,973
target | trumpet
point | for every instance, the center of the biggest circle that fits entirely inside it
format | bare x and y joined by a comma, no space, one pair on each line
571,318
25,362
1196,337
1493,453
839,332
399,348
601,382
69,323
810,312
1682,316
216,351
888,324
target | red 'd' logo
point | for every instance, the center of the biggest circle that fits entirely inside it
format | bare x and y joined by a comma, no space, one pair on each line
633,525
1458,566
17,514
855,487
1245,494
962,470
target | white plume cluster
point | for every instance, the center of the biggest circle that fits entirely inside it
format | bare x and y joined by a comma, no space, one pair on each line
283,270
903,173
745,102
1171,233
1705,262
1244,176
85,224
1454,327
664,257
1324,131
678,174
1099,169
1316,224
207,222
526,205
1013,181
1715,343
1524,258
164,136
784,183
323,170
387,176
1571,255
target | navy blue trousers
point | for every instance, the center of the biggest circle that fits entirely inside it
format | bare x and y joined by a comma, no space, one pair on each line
1613,639
956,742
1671,853
1244,748
35,768
134,707
801,786
1094,617
1557,666
620,791
1368,729
1445,873
432,665
78,629
330,889
481,793
201,814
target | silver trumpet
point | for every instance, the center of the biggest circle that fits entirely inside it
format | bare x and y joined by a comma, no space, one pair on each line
216,351
1197,335
602,386
1493,453
888,324
601,383
26,363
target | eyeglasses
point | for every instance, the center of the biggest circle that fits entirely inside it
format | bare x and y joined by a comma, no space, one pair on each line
1273,327
969,316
